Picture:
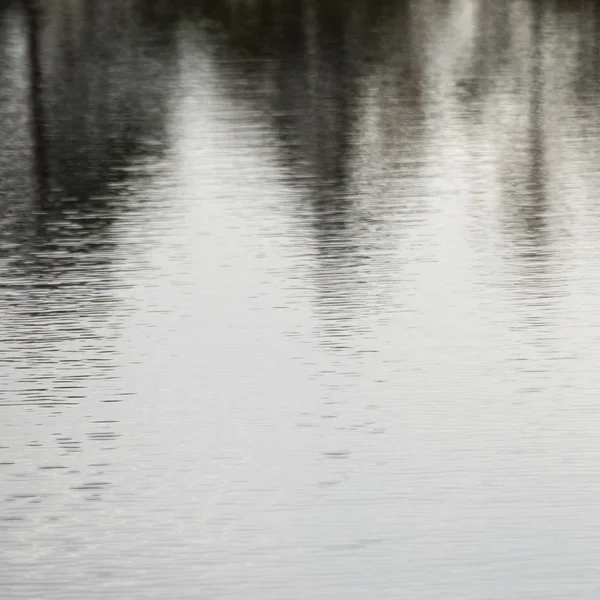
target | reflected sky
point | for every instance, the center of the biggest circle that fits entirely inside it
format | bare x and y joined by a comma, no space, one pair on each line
299,299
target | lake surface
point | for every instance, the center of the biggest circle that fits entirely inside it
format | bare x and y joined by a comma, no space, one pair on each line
300,300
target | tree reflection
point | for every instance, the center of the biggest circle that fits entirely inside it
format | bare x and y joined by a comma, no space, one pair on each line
308,67
94,108
351,89
530,95
529,225
97,110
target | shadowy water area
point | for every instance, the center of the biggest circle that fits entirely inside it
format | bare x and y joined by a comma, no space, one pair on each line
299,299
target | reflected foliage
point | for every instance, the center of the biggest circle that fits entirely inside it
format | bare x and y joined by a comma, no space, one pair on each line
350,88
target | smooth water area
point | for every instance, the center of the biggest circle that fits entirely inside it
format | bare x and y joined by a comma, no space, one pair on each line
299,300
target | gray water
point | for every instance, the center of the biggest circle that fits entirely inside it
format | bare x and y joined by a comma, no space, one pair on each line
299,300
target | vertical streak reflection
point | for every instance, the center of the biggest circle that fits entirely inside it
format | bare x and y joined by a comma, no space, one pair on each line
36,98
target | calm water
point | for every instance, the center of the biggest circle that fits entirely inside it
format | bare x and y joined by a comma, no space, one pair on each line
300,300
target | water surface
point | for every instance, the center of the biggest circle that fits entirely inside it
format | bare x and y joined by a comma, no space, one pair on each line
299,300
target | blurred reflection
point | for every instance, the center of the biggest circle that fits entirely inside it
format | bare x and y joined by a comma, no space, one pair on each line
588,29
527,197
91,85
527,181
526,75
339,84
354,93
196,194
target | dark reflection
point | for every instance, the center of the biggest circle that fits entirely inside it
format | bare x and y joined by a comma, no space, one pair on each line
315,97
38,118
533,251
309,68
530,227
350,92
105,92
535,204
491,50
348,88
532,70
582,18
92,84
526,181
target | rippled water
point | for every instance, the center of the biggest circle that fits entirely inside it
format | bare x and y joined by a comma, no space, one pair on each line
299,299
